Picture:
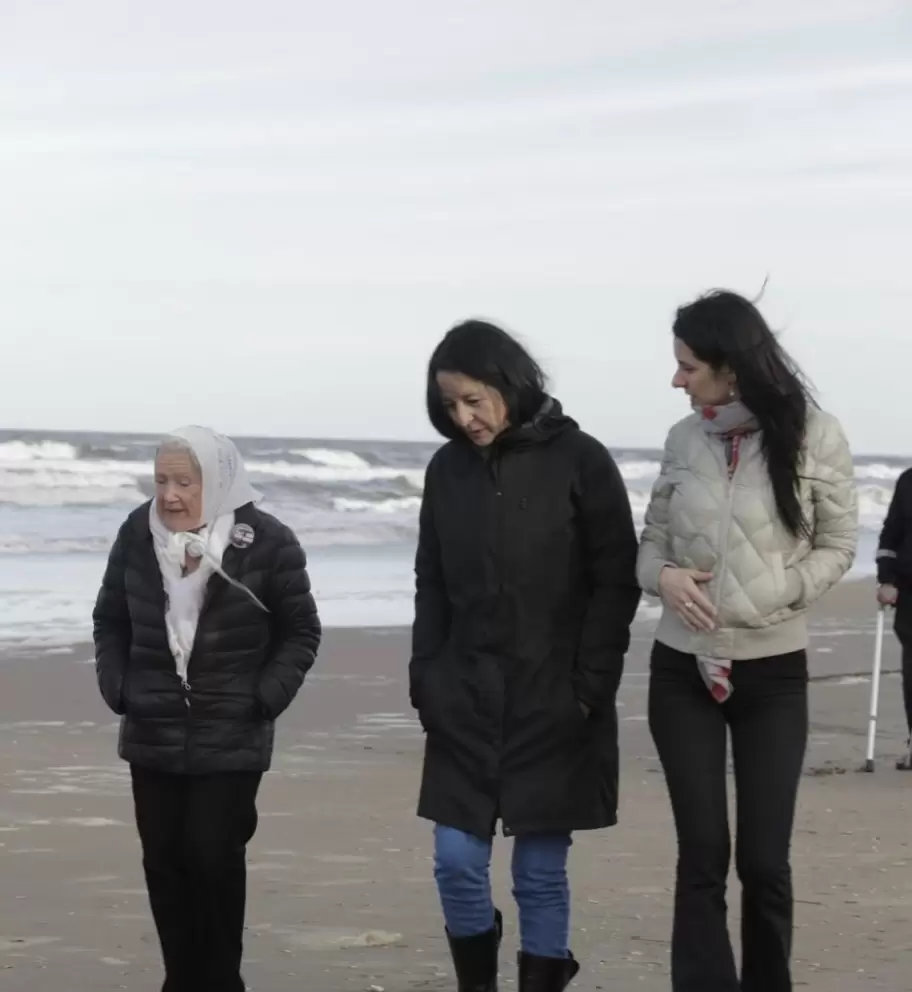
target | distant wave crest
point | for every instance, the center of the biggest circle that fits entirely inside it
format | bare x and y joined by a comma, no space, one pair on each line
48,473
381,481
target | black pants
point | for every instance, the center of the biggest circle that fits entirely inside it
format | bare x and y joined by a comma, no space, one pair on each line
767,715
194,831
907,680
902,625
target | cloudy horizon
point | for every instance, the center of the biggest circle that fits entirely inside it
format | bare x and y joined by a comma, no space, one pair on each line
264,220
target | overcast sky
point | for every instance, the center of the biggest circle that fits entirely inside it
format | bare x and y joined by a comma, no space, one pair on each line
263,216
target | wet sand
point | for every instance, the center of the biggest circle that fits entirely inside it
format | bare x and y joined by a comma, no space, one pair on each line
341,892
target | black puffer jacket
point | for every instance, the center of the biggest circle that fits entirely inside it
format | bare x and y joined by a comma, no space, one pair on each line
894,551
526,591
246,664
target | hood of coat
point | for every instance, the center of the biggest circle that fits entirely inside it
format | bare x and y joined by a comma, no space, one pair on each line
548,423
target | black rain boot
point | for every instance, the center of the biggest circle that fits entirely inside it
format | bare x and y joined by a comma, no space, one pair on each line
475,958
545,974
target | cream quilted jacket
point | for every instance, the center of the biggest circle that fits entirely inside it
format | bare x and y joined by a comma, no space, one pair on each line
763,577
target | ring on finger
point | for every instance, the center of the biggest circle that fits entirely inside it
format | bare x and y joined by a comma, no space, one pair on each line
689,605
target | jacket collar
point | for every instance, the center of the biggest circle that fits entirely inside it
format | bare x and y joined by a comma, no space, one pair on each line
247,514
139,518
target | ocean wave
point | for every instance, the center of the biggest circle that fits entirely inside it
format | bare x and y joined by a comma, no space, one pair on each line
879,470
407,504
48,473
354,481
332,457
334,473
23,452
19,544
634,471
42,480
873,503
354,506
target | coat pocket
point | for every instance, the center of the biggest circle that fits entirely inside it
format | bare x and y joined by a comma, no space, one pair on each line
781,593
113,692
421,693
573,708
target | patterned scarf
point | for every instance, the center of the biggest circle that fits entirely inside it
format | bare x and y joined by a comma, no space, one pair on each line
731,422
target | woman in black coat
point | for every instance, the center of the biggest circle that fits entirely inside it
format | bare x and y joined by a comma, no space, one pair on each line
525,592
205,627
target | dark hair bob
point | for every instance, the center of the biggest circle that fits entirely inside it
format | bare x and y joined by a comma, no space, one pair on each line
488,354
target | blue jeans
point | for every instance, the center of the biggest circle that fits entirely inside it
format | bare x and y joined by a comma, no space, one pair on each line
462,870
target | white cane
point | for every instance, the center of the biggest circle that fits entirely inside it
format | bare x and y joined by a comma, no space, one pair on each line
875,688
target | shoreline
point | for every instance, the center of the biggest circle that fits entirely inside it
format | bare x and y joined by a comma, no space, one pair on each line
844,596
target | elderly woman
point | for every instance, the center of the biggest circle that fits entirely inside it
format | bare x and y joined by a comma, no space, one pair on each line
753,518
526,591
205,627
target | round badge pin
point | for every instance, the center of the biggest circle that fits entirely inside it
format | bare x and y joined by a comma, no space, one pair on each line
242,536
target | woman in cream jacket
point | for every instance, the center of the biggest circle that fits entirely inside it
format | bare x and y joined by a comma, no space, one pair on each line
752,519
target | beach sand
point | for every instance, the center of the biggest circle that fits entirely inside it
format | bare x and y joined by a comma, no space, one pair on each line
341,890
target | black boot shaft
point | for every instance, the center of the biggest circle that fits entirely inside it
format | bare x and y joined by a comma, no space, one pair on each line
475,958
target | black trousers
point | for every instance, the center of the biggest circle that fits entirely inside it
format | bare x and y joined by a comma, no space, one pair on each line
194,830
767,715
902,625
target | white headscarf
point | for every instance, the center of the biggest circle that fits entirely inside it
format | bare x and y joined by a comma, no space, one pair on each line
225,488
225,484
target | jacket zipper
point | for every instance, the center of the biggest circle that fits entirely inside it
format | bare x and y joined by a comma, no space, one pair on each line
731,471
498,491
185,685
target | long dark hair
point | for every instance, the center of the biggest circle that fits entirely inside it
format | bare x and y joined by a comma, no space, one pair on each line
728,332
485,352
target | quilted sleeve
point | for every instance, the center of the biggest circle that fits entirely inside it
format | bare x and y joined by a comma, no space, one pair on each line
610,549
297,629
111,627
835,507
655,542
894,532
